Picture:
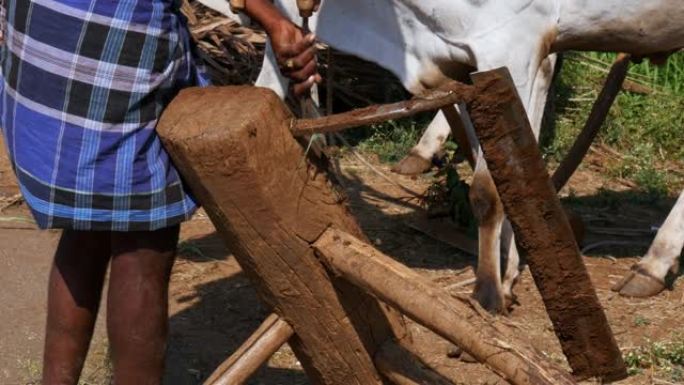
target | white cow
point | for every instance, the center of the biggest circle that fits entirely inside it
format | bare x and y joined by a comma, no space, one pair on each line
426,42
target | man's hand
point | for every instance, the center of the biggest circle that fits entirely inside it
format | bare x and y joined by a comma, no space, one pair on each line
296,55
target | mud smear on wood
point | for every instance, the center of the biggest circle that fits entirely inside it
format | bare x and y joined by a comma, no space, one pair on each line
542,230
269,202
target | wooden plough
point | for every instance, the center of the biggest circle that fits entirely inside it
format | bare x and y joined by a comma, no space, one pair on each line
338,301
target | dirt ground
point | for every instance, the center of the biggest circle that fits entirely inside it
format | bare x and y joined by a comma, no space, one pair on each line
214,307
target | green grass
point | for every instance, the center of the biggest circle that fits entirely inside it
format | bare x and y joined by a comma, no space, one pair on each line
669,77
664,359
450,190
31,370
390,140
645,130
640,320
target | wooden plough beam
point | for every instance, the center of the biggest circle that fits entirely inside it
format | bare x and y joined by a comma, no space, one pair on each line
541,228
271,203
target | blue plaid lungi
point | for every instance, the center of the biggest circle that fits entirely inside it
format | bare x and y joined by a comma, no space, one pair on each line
83,85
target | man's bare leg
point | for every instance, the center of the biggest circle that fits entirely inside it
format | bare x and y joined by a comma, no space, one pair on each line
137,304
74,291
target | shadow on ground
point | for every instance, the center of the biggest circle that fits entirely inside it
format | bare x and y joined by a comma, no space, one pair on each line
216,309
219,314
620,224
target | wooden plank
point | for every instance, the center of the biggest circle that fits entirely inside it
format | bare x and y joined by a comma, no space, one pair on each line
269,201
486,339
542,230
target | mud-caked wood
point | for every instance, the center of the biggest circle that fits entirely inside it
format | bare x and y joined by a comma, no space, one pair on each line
490,342
542,230
269,202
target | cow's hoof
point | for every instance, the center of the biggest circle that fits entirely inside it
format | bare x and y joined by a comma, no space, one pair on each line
510,300
490,298
412,164
508,284
638,283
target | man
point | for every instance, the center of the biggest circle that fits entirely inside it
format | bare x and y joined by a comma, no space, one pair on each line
84,83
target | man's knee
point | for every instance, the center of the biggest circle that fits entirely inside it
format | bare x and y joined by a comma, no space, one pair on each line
162,241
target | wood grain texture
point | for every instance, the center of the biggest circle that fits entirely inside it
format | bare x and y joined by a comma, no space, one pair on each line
269,201
457,320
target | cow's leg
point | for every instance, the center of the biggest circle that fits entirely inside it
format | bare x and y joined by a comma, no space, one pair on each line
488,211
536,107
419,159
647,277
509,252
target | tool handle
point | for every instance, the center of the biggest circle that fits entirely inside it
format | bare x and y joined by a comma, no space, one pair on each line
237,6
306,7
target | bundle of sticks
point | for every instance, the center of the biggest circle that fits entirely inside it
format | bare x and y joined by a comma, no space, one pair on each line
231,53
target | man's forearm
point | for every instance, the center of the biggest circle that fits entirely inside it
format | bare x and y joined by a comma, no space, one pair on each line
264,12
294,49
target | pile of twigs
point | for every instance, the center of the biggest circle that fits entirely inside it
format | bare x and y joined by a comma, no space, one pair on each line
232,53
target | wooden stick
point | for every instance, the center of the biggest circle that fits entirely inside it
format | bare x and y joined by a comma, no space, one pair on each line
489,341
541,228
450,94
401,367
458,132
211,26
598,114
259,347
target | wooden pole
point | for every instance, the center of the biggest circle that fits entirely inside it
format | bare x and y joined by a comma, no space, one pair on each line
598,114
259,347
541,228
269,202
458,132
489,341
